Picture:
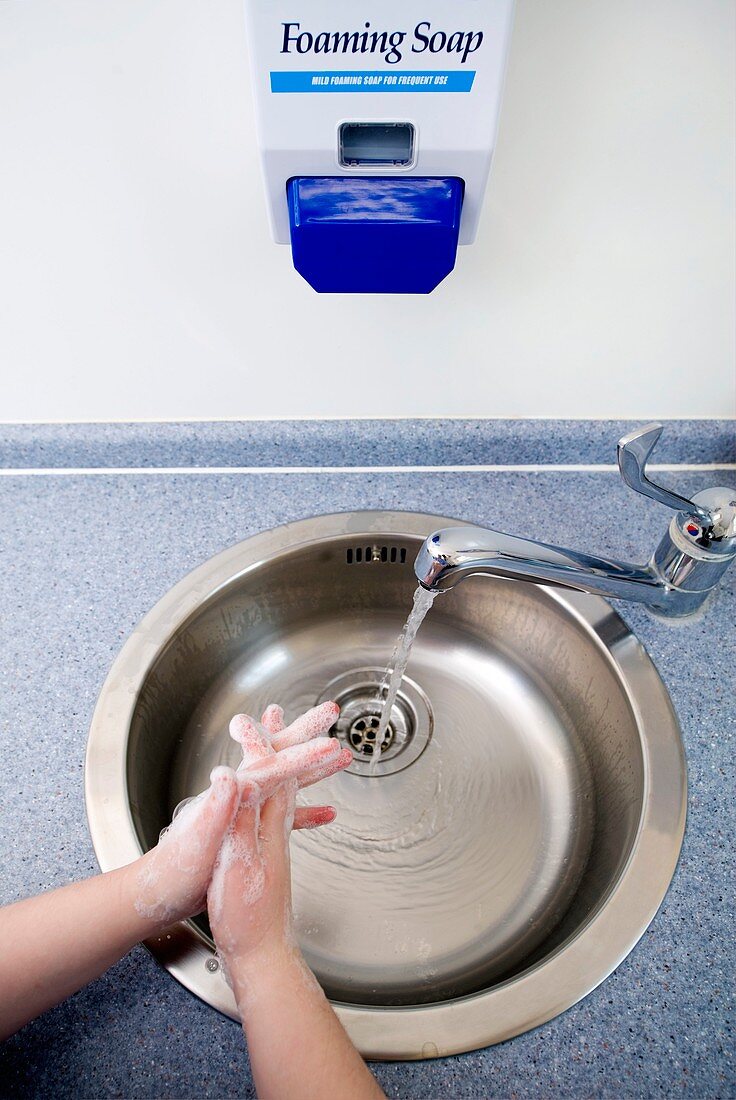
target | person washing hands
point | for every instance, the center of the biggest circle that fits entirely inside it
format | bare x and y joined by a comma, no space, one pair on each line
228,847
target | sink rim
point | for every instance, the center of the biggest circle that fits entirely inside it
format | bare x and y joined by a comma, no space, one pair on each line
524,1001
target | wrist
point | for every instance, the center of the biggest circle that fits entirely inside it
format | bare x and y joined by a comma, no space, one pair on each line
142,913
262,967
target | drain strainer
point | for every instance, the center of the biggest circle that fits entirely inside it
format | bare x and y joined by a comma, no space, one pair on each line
363,735
409,729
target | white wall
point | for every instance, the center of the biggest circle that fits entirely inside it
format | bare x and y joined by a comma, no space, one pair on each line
137,278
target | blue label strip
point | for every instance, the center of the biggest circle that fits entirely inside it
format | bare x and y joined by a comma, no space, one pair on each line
373,81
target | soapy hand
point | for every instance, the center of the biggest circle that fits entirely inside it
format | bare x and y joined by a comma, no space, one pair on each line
172,879
249,899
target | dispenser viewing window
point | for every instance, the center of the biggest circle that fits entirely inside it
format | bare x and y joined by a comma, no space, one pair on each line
376,144
377,123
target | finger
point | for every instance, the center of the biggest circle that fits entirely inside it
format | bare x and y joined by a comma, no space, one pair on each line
241,839
277,815
311,817
293,762
272,718
326,768
249,793
208,816
238,873
315,722
254,744
221,805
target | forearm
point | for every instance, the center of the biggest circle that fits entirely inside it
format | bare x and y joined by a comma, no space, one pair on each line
297,1045
62,939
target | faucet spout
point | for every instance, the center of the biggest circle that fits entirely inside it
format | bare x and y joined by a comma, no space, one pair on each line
450,555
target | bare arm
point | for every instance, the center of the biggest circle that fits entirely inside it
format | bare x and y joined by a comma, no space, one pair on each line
63,939
297,1045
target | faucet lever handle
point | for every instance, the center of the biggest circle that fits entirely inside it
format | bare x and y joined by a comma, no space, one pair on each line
633,453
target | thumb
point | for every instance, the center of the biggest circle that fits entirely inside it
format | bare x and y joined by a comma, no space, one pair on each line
204,821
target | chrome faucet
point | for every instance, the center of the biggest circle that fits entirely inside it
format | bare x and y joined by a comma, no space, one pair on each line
697,548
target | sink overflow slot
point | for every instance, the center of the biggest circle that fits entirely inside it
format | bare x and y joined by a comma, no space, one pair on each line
364,555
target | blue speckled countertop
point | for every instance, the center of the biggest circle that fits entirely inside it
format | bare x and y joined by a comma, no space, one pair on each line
85,551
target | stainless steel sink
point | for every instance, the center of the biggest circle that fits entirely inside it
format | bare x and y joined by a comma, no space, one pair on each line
519,831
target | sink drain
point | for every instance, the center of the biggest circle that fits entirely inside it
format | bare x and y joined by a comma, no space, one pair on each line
409,729
363,735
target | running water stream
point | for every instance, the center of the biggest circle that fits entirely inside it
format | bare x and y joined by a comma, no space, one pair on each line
423,600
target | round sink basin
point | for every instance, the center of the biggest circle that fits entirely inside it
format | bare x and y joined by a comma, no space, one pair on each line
517,834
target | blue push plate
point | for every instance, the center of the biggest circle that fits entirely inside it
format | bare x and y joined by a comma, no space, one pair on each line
374,235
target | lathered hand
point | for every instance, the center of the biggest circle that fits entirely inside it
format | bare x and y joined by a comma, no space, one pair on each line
249,899
174,877
296,1044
